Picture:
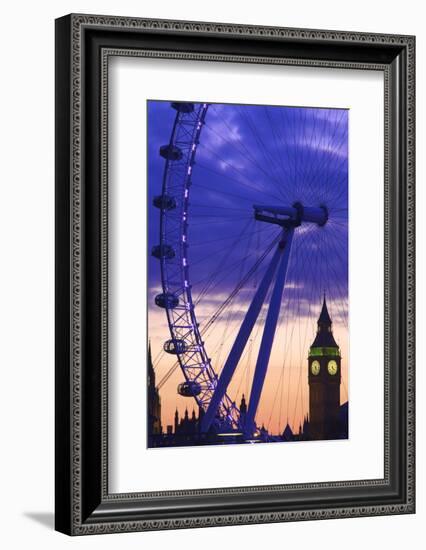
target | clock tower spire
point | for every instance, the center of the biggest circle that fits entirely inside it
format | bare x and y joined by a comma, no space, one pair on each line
324,379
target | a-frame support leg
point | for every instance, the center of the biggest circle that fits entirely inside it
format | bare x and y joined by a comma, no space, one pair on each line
240,342
268,333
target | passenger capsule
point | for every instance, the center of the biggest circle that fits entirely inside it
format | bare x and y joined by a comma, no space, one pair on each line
171,152
189,389
167,300
182,107
165,202
163,251
174,346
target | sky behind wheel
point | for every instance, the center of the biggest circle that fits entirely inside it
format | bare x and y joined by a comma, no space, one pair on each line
256,155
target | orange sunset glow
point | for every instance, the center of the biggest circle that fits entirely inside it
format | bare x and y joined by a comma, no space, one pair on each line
285,393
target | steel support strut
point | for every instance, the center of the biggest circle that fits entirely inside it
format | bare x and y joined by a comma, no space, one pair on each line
268,332
240,342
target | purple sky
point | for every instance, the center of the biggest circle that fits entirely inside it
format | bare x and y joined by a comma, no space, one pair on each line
253,155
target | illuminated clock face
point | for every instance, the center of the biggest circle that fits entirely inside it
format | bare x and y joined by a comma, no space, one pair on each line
315,367
332,367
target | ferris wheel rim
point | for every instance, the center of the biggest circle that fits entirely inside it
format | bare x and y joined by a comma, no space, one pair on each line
229,410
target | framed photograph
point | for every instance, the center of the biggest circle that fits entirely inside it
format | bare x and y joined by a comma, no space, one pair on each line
234,274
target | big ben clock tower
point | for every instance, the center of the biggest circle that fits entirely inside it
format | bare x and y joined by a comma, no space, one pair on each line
324,380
